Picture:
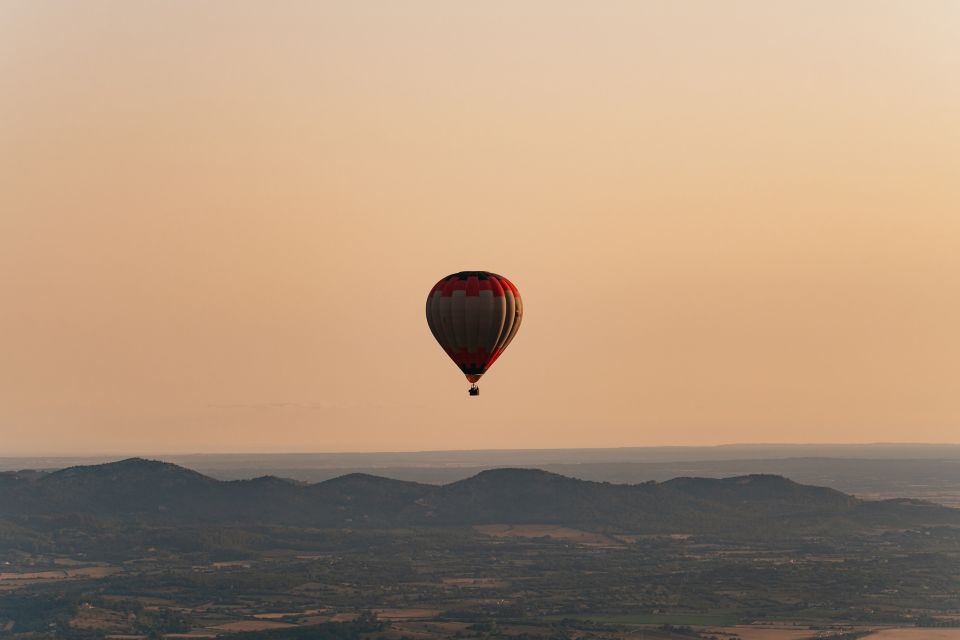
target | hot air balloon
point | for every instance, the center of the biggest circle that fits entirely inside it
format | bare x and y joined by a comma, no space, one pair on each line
474,315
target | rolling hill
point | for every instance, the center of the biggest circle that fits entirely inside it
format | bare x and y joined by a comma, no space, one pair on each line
146,490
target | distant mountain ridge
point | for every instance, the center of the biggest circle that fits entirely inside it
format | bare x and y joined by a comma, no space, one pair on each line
166,493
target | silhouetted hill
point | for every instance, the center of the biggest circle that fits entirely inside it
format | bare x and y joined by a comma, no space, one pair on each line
131,485
762,488
359,499
531,495
162,492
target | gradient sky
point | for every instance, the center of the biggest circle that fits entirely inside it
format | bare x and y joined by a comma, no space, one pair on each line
730,221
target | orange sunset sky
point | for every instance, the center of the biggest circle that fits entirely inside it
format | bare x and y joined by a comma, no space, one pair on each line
730,221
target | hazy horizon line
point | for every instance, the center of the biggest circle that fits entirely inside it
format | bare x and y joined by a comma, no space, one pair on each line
136,454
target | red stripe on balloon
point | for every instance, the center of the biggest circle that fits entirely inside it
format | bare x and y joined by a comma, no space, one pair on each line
448,287
473,286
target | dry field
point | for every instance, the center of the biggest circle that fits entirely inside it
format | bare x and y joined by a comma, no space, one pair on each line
96,619
34,575
310,616
915,634
92,572
251,625
422,631
406,614
765,632
475,582
788,632
12,580
343,617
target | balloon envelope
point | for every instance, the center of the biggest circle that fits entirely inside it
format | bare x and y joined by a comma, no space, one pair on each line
474,315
